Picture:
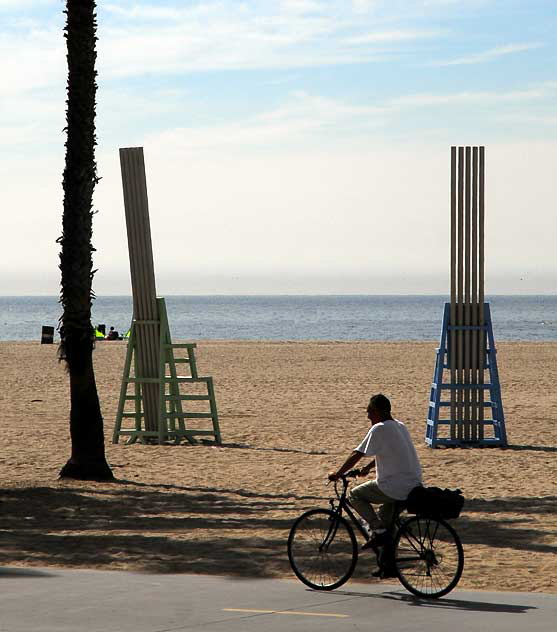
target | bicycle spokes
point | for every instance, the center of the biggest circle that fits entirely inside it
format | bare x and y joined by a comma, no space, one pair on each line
334,522
428,556
322,549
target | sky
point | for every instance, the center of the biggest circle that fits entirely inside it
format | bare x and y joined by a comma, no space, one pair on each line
291,146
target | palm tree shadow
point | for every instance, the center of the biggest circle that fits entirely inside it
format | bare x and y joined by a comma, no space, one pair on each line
147,528
168,528
246,446
239,492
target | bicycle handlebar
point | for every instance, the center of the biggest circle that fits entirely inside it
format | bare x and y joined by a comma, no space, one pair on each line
344,478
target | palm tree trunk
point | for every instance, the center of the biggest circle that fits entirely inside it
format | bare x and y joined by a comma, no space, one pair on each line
87,460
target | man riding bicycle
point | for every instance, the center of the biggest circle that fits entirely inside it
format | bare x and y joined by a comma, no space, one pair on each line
397,467
422,551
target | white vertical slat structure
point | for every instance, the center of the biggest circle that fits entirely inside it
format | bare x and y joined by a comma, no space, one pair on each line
460,293
452,345
467,273
467,294
145,311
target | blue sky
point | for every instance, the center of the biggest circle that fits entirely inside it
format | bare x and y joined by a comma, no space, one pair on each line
280,134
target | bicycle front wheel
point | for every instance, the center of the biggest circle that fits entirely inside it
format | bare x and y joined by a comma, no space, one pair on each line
428,557
322,549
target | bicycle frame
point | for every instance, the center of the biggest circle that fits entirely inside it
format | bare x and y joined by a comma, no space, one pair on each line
344,505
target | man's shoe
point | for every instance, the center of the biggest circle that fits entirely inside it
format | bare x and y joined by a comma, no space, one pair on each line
388,573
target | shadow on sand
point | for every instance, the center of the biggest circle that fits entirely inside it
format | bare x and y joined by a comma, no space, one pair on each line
168,528
17,572
532,448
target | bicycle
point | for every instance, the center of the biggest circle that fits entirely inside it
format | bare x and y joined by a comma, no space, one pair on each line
425,553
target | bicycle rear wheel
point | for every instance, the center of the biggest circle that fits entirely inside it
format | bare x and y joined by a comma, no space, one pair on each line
428,556
322,549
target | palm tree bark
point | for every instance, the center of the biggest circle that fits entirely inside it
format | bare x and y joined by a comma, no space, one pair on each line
87,460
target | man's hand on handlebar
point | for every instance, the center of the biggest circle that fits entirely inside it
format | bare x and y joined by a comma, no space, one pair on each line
367,469
346,468
334,476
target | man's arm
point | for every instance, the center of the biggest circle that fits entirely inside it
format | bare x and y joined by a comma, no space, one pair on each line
367,469
346,466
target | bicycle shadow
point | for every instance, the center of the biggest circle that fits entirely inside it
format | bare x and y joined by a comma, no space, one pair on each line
444,602
18,571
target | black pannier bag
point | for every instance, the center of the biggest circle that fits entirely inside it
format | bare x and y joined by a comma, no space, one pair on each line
434,502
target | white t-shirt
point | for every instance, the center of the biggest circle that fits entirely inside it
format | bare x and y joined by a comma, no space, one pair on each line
396,462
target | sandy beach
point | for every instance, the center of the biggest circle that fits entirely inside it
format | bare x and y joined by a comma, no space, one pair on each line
289,412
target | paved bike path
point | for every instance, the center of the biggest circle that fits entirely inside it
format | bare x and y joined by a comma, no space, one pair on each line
48,600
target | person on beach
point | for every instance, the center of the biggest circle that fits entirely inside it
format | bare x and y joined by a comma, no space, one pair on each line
397,467
112,334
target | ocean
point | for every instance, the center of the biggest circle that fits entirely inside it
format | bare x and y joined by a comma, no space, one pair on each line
292,317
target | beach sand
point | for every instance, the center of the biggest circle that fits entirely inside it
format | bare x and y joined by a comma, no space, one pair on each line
289,412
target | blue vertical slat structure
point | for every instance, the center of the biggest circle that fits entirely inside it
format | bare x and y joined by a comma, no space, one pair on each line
435,394
438,422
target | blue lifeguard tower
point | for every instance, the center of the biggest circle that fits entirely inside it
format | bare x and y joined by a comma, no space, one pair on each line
465,404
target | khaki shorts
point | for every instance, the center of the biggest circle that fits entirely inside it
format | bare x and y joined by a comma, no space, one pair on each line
363,496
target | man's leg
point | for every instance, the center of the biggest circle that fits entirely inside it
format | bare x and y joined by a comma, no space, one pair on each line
386,512
361,498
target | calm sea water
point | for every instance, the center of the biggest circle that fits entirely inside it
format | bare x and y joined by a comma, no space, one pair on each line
292,317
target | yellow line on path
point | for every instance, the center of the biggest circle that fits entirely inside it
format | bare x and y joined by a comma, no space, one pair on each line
307,614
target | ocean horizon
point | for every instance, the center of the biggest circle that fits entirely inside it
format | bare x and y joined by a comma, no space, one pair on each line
292,317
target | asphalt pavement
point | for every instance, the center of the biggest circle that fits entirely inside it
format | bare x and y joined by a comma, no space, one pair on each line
56,600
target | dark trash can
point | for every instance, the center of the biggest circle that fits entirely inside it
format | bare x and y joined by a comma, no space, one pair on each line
47,335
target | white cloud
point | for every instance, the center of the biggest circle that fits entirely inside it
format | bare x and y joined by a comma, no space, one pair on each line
22,4
301,6
393,36
363,6
141,39
434,100
317,108
489,55
531,119
31,60
302,119
308,120
217,36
